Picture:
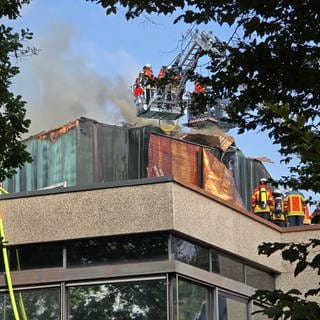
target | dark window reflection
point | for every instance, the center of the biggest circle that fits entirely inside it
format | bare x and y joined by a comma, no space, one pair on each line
35,256
115,250
190,253
143,300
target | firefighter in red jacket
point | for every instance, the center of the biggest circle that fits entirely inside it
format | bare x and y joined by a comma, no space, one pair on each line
147,80
199,99
262,201
295,207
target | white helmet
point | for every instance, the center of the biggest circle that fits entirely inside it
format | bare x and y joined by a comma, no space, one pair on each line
277,191
263,180
147,65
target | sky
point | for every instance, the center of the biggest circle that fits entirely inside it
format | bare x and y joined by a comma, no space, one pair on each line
87,62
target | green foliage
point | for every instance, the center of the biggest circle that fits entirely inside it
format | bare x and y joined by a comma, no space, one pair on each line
287,305
292,304
272,72
13,122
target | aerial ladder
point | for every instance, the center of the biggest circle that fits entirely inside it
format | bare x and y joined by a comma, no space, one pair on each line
171,101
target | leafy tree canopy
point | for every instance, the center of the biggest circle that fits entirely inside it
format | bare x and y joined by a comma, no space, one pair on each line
13,122
271,76
292,304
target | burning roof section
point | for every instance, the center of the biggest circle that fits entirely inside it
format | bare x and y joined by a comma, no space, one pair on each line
85,151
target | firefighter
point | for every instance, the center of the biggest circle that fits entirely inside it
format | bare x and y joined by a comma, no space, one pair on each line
295,207
198,87
147,80
262,201
198,99
148,74
278,215
315,215
175,76
306,219
164,77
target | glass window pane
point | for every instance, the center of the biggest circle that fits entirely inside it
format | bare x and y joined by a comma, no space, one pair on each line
191,301
190,253
39,304
143,300
259,279
227,267
133,248
232,309
35,256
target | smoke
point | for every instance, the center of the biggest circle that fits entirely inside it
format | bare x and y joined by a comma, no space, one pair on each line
69,79
62,85
211,131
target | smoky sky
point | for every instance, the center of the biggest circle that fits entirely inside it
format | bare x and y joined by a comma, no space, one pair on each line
61,84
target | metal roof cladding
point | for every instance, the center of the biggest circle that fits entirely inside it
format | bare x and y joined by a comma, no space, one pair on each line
85,152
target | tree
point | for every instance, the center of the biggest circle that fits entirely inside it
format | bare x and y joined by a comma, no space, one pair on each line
271,74
292,304
13,122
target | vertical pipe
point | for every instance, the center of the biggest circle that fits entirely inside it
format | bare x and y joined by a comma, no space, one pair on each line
95,161
200,168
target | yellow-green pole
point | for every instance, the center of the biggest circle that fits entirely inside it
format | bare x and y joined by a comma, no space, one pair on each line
7,271
2,190
21,303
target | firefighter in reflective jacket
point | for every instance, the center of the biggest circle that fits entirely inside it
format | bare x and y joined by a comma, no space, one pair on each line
147,80
295,207
199,99
262,201
278,215
306,219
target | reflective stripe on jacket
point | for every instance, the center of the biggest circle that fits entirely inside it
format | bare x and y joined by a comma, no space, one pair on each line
295,204
257,206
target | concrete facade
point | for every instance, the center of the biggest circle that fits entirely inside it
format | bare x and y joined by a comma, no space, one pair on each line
158,204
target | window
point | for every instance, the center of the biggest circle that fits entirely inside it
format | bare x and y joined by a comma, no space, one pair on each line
223,264
35,256
40,304
190,253
227,267
231,308
190,301
116,250
259,279
143,300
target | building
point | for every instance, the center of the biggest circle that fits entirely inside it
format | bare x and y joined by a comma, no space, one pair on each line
149,248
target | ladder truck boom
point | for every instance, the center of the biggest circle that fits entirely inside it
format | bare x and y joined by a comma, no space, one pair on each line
168,102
